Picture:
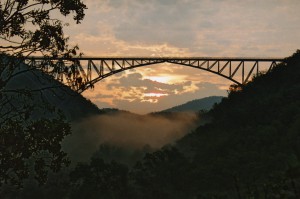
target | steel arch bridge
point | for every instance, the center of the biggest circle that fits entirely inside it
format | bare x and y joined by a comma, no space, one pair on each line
82,73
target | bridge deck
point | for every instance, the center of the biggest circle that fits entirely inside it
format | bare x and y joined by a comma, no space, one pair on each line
267,59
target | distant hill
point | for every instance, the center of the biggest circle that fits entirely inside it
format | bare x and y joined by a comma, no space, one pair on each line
196,105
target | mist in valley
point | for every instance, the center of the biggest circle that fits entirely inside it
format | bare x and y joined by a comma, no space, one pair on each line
126,132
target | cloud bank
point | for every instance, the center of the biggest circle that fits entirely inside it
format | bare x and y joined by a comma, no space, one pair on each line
180,28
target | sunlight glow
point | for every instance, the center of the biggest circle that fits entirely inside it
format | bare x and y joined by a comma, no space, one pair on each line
155,94
161,79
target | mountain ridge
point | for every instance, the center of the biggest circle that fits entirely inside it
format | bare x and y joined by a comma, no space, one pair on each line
202,104
72,104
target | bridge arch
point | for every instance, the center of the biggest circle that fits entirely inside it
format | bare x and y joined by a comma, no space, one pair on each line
93,81
100,68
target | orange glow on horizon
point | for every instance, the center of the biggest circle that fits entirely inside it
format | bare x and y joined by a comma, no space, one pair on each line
155,94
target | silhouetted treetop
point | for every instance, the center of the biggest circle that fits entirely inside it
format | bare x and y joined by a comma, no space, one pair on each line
30,26
31,143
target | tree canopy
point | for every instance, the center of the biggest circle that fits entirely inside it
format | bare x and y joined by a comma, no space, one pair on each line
29,26
31,129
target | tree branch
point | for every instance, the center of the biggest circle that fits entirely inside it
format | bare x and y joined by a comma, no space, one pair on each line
31,6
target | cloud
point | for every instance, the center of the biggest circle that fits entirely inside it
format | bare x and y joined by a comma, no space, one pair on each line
215,28
131,93
190,27
181,28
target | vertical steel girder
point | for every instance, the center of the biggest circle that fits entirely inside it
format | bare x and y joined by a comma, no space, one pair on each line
80,77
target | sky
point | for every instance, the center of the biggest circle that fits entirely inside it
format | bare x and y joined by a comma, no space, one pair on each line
268,28
215,28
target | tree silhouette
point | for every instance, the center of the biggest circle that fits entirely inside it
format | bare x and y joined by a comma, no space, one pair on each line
28,26
30,129
162,174
99,180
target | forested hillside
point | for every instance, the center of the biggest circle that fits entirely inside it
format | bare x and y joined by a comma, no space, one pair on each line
249,150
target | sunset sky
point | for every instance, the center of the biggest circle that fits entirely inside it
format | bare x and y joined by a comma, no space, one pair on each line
268,28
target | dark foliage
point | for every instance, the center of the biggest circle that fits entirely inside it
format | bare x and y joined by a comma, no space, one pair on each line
29,26
162,174
39,142
99,180
253,143
30,143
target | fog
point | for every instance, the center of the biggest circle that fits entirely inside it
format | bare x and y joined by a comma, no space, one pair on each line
126,130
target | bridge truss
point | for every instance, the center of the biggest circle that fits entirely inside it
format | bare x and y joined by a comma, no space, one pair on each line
82,73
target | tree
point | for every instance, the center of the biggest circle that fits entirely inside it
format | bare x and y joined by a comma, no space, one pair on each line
28,26
99,180
162,174
30,138
36,144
